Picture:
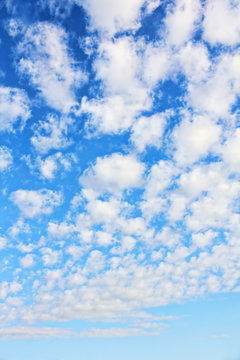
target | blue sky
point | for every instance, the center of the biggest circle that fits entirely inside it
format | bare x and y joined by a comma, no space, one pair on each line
119,167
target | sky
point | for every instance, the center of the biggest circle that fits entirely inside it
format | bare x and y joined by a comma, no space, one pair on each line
120,179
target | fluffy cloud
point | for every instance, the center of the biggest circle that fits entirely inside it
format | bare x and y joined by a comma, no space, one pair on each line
110,17
230,152
36,202
180,21
114,173
45,59
194,61
145,226
203,239
125,96
221,22
27,261
148,131
5,158
219,91
3,242
51,134
156,63
194,139
14,107
48,166
49,256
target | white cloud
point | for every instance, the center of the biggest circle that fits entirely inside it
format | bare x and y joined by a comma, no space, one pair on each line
50,165
63,230
36,202
15,27
194,61
231,153
3,290
14,107
3,242
167,237
114,173
5,158
19,226
103,211
76,252
127,243
27,261
51,134
103,238
45,58
15,287
215,209
112,16
49,256
95,261
176,236
203,239
216,94
159,178
157,63
25,332
194,139
118,67
200,178
113,114
221,23
180,21
148,131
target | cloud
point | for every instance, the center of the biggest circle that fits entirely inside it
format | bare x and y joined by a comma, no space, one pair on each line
27,332
194,61
194,139
27,261
180,21
217,93
14,108
230,151
157,63
114,173
49,256
46,60
203,239
118,332
118,67
154,218
3,242
60,9
36,202
221,22
51,134
5,158
148,131
50,165
112,16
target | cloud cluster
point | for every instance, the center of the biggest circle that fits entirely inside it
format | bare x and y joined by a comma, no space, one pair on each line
45,58
127,188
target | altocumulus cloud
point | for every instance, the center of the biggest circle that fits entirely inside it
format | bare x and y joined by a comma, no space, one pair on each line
119,161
